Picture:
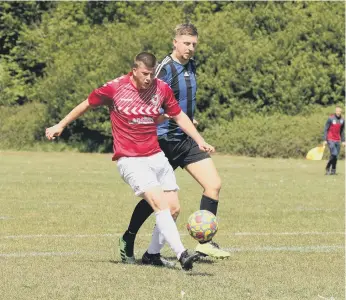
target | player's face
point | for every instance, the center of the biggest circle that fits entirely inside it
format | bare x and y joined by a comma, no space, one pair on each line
338,111
143,76
185,46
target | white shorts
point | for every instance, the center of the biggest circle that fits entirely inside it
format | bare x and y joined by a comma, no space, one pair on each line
144,173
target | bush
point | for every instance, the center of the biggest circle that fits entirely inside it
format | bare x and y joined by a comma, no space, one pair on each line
270,136
21,126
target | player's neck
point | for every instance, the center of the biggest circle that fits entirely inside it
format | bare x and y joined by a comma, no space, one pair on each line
178,59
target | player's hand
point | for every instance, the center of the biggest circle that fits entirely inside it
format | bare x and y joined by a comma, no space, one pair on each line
163,118
324,143
343,143
205,147
195,122
54,131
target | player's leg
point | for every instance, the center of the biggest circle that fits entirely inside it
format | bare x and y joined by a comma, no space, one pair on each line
157,241
129,169
205,173
202,168
164,221
166,226
148,187
331,157
167,180
336,150
152,256
140,214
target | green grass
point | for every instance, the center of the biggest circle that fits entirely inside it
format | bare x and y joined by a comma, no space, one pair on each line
61,215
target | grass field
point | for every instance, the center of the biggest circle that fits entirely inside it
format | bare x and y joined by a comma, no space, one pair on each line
62,213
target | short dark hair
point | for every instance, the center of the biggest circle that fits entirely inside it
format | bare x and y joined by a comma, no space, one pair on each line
148,59
185,29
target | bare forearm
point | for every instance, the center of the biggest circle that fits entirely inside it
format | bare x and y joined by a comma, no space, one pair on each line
75,113
187,126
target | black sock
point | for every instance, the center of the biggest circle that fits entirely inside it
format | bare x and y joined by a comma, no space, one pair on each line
129,238
209,204
141,212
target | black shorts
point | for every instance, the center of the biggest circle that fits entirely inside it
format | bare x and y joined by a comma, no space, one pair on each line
182,153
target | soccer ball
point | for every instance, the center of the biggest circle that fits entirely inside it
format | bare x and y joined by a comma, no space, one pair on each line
202,225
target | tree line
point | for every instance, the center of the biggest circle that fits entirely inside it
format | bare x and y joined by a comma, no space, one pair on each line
255,60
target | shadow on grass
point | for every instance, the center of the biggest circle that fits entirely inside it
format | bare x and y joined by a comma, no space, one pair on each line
175,268
201,260
114,261
139,263
202,274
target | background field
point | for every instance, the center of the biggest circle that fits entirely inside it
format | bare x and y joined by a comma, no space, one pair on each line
61,215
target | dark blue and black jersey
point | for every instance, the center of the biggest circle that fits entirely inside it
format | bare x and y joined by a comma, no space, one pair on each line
182,80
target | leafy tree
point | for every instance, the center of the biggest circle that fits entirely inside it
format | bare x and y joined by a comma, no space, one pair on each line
263,58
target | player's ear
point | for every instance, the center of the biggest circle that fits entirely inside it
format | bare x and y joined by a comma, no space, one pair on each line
134,68
174,43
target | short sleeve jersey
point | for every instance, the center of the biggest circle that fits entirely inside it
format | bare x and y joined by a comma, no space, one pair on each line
182,80
133,114
334,129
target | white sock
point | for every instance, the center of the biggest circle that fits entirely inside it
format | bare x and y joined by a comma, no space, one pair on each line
167,227
157,242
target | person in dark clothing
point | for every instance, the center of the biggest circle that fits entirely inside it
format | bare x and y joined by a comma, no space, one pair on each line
334,136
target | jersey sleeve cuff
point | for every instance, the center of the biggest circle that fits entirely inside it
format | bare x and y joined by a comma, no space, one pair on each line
175,112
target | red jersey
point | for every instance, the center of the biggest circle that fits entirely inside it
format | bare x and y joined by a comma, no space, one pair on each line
133,114
334,129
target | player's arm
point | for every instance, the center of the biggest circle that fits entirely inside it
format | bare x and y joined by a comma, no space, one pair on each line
326,128
100,96
342,133
162,118
172,108
165,117
189,128
74,114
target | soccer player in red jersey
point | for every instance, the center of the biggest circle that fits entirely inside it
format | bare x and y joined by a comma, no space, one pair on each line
134,103
178,70
333,135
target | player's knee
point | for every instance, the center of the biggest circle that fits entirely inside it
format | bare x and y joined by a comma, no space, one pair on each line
156,200
213,187
175,210
173,202
218,185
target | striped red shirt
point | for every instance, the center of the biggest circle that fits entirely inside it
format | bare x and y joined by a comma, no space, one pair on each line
133,114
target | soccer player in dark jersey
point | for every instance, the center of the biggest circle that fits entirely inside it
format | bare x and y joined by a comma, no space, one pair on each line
333,135
179,71
134,103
